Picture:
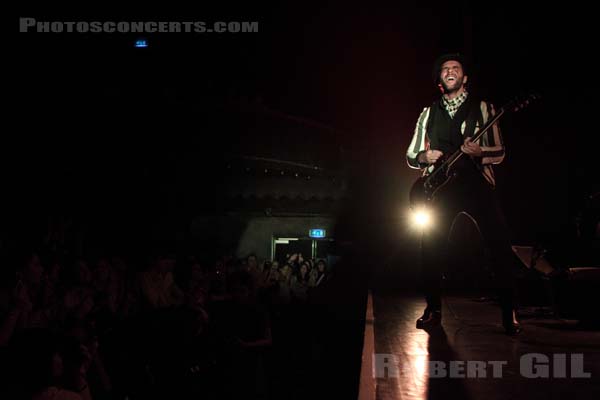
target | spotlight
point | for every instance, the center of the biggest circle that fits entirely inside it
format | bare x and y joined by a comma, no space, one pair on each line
421,218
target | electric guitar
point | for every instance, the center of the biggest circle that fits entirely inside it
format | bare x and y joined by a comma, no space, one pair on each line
423,191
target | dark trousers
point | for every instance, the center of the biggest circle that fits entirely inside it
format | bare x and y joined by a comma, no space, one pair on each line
469,193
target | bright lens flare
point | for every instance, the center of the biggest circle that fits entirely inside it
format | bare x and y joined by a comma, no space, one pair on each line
421,218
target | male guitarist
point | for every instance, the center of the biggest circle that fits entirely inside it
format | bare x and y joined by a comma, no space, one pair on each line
443,129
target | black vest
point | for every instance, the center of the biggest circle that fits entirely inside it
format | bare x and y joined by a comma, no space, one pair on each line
444,132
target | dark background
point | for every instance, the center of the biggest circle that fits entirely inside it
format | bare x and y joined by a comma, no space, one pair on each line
99,128
130,143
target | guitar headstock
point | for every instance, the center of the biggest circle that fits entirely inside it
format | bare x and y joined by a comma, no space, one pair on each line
522,101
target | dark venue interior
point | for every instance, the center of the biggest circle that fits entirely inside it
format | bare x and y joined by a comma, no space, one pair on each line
225,215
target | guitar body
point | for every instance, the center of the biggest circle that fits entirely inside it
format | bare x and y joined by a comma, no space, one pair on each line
418,196
423,191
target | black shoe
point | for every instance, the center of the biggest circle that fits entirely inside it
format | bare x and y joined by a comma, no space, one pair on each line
429,319
513,329
510,323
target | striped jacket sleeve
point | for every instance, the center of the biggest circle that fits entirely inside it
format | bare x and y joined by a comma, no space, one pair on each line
419,142
492,146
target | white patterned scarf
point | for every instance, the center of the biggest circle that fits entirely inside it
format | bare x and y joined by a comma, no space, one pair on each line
452,105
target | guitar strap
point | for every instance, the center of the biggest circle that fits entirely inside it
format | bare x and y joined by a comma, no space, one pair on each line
474,117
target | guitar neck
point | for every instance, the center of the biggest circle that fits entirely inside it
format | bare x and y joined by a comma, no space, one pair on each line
513,105
458,153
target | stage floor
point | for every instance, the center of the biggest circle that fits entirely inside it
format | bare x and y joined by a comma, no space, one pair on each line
470,357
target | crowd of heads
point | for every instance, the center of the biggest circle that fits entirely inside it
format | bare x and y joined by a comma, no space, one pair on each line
106,326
